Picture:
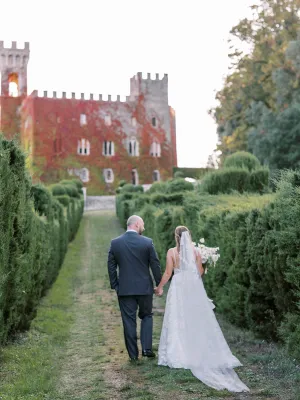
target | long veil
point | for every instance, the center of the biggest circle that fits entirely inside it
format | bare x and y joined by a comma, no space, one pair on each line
206,352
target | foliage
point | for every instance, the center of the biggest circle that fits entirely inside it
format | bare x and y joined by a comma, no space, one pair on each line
195,173
264,81
34,232
178,174
160,187
179,185
256,281
235,179
242,159
128,187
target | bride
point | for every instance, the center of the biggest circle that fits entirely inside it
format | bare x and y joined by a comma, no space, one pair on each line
191,337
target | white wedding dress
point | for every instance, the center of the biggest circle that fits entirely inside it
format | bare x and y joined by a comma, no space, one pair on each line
191,337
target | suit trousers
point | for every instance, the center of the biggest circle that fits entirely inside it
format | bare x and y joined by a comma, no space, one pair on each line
128,307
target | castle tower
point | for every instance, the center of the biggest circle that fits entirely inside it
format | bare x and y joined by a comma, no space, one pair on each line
13,68
155,92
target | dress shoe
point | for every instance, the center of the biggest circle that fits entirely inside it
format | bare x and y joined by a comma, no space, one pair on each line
133,360
148,353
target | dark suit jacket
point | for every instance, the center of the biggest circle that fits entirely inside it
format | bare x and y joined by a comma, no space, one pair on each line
133,254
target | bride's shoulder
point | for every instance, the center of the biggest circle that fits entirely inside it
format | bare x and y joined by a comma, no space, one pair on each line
171,251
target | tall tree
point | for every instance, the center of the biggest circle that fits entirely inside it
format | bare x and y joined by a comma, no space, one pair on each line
273,25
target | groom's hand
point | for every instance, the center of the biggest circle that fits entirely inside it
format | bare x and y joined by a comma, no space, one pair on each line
158,292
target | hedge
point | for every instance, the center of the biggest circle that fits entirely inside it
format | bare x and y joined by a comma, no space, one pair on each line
35,229
195,173
236,179
257,279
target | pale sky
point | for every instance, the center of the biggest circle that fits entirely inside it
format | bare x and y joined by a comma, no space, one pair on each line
95,46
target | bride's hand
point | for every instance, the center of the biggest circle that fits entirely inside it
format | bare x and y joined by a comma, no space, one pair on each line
158,291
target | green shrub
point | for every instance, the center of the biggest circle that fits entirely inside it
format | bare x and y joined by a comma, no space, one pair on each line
64,200
195,173
179,185
34,234
72,190
160,198
122,183
226,180
158,187
179,174
128,187
259,180
58,189
42,200
78,183
242,159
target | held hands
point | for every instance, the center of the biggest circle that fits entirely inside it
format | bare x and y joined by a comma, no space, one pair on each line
158,291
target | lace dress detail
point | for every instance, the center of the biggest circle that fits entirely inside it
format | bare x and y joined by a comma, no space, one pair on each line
191,337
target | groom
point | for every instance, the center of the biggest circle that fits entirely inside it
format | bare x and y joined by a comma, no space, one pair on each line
133,254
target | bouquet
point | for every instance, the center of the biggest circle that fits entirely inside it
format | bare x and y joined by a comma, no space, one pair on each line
209,255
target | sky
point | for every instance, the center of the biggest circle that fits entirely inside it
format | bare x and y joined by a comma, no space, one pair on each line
95,46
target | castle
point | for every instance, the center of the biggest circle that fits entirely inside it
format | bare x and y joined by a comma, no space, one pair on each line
100,141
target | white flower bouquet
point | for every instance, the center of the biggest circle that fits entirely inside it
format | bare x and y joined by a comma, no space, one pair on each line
209,255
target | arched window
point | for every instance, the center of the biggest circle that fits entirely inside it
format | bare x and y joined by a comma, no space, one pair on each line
133,147
13,85
155,149
108,148
84,174
108,175
84,147
153,121
156,176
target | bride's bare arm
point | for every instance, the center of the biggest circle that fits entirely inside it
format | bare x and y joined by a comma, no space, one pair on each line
168,272
199,263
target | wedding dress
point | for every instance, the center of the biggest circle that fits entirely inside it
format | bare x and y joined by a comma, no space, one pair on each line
191,337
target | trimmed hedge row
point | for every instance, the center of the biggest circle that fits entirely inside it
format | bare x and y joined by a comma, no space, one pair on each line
240,179
35,228
256,282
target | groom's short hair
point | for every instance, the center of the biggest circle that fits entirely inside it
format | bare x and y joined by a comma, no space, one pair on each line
133,219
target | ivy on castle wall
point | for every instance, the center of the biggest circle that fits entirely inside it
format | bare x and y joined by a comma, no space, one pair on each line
51,131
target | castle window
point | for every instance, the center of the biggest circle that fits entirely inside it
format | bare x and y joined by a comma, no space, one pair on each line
83,120
107,120
155,149
156,176
133,147
153,121
133,121
108,148
13,85
83,147
134,177
82,173
108,175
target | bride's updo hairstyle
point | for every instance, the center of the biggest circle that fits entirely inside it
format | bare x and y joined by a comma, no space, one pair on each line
178,232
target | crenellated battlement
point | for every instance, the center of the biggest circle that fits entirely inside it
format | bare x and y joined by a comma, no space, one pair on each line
79,96
13,46
149,77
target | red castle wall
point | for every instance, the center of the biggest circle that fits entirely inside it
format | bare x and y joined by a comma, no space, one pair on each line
51,130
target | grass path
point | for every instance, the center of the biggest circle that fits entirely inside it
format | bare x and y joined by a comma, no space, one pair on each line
75,350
